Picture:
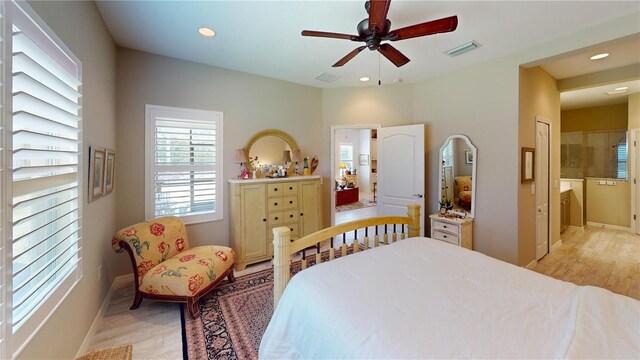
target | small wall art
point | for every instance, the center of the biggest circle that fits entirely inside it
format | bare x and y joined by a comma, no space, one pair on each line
468,156
528,165
96,172
109,171
364,159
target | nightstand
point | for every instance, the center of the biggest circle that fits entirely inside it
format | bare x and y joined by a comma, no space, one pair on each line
452,230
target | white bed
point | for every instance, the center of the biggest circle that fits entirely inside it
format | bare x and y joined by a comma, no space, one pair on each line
422,298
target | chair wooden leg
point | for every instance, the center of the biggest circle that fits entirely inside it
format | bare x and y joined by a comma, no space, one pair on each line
231,277
192,305
136,301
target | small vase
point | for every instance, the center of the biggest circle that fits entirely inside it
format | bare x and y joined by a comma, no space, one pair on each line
443,210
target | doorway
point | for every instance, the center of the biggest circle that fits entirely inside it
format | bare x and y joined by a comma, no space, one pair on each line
354,170
542,183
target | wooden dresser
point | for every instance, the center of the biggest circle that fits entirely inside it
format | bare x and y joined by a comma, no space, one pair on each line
455,231
259,205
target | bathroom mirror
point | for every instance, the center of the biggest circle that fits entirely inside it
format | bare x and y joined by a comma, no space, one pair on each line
269,146
457,173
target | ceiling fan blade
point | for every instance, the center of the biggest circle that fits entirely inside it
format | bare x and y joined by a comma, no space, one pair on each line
378,10
395,56
349,56
329,35
428,28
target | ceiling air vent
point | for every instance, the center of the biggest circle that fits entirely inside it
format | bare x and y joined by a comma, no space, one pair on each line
462,48
328,78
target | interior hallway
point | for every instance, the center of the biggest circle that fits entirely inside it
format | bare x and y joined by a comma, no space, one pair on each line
596,256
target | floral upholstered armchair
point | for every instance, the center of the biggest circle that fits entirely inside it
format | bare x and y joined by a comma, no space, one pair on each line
464,191
164,266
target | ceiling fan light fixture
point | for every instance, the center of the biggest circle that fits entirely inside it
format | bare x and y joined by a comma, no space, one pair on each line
364,79
458,50
599,56
205,31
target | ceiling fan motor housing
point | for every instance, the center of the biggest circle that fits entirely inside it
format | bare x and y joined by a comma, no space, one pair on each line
372,38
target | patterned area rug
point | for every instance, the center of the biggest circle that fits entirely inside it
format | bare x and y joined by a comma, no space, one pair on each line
234,316
363,203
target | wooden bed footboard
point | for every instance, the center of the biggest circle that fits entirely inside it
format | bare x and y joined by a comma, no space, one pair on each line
383,230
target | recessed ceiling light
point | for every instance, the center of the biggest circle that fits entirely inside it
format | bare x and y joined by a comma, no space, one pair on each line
205,31
623,88
599,56
364,78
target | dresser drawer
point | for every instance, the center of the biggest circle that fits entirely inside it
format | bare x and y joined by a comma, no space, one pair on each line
276,218
275,204
294,228
291,216
290,188
290,202
443,236
275,190
446,227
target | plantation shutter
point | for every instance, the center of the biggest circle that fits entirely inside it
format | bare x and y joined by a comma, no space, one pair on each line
46,153
184,173
3,247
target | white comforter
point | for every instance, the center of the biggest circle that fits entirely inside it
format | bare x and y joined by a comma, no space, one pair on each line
422,298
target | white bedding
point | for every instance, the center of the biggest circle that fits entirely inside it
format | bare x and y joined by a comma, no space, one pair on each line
423,298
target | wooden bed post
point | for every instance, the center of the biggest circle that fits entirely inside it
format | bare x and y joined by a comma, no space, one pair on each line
281,262
413,211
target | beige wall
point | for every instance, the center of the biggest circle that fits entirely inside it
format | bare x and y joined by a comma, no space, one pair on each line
609,204
609,117
539,96
634,111
249,103
63,333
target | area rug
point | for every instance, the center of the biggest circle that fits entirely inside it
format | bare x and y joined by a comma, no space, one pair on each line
123,352
233,317
363,203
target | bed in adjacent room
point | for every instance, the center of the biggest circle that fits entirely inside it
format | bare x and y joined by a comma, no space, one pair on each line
423,298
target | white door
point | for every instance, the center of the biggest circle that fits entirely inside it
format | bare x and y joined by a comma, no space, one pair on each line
401,170
542,189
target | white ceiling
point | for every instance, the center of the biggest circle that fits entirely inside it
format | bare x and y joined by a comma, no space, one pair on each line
597,95
263,37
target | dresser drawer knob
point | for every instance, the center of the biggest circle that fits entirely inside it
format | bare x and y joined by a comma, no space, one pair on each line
291,229
276,218
291,215
301,214
290,201
290,188
276,204
275,189
264,219
444,226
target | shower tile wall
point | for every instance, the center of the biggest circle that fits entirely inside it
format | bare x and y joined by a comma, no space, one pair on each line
593,154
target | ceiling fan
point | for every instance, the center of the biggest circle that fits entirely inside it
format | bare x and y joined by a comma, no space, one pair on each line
376,29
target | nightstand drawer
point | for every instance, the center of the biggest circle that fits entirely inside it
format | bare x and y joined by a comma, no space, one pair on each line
445,227
294,228
290,188
275,204
443,236
291,216
275,190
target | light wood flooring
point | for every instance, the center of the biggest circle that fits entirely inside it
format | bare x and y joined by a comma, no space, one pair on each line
596,256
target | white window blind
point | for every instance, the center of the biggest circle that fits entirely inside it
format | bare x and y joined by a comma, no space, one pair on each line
4,326
184,152
346,157
45,154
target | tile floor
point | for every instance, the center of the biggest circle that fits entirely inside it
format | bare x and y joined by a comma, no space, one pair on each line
594,256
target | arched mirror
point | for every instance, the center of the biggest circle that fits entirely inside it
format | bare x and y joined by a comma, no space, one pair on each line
457,174
267,148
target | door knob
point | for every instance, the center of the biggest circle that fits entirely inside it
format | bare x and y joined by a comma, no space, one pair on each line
418,195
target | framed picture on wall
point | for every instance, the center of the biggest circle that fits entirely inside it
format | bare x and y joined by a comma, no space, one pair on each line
364,159
468,156
96,172
527,164
109,171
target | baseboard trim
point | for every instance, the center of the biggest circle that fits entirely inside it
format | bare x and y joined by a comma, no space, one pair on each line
531,264
117,283
573,227
607,226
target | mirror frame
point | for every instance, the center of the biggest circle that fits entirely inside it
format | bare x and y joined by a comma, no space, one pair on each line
474,149
269,132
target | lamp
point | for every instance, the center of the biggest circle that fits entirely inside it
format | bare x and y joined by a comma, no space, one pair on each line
297,157
241,158
286,159
343,167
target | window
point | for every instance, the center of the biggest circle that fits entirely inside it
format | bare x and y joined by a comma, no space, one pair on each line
44,127
346,158
447,154
621,155
183,155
